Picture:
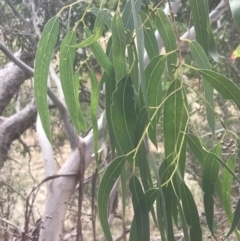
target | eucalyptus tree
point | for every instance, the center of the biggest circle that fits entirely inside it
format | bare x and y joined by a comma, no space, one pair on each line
134,74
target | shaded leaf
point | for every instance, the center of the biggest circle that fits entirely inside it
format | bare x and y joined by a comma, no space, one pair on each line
153,74
202,62
235,9
236,219
191,213
150,41
109,178
127,15
119,45
123,115
42,61
200,20
67,55
209,211
100,56
105,16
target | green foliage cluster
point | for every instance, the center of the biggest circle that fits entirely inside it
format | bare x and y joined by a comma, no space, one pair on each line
134,103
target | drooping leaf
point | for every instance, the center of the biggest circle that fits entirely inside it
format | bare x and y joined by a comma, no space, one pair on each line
210,170
153,74
118,48
175,123
67,55
226,186
140,49
94,107
223,85
202,62
42,61
109,178
105,16
236,219
200,20
209,211
140,210
127,15
235,9
97,32
191,213
167,34
150,197
133,66
142,159
150,41
99,55
197,148
123,115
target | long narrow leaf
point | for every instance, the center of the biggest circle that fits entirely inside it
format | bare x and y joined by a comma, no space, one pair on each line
109,178
67,55
43,58
235,9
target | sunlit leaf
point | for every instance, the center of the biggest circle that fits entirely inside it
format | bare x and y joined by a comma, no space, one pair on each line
42,61
67,55
94,107
167,33
140,210
109,178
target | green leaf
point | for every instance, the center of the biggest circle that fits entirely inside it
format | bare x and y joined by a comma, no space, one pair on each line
42,61
109,178
209,211
197,148
127,15
223,85
167,33
100,56
175,126
123,115
202,62
133,66
67,55
97,30
140,49
119,45
150,41
236,219
210,170
200,20
94,107
235,9
191,213
150,197
153,74
105,16
140,210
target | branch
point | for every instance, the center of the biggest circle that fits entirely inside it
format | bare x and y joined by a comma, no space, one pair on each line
60,106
